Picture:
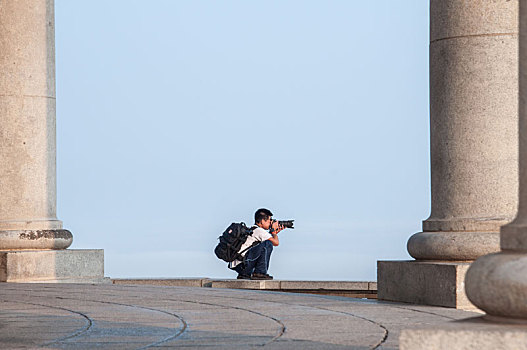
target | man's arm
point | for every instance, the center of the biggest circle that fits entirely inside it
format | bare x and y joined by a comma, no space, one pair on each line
274,239
275,228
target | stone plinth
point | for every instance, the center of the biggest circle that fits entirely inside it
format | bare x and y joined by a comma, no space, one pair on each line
470,334
52,266
426,283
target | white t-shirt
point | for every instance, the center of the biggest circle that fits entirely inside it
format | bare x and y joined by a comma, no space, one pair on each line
260,235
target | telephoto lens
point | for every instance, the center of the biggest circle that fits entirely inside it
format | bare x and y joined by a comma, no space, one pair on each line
286,223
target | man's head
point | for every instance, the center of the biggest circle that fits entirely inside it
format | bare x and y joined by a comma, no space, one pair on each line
262,218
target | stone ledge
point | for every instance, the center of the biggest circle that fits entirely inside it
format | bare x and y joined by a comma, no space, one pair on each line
178,282
336,288
327,285
87,280
473,333
247,284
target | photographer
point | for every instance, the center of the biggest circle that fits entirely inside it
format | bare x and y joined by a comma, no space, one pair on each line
256,259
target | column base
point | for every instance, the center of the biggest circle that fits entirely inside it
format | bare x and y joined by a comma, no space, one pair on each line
453,245
434,283
52,266
474,333
35,239
497,284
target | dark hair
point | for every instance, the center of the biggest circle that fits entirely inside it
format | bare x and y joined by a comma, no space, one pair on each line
262,214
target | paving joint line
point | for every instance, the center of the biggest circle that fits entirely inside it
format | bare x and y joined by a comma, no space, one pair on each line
374,347
377,346
73,335
424,312
282,326
382,326
172,337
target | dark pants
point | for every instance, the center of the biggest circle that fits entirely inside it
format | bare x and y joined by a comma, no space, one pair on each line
256,260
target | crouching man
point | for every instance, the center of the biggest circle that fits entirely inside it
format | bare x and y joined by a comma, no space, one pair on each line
256,259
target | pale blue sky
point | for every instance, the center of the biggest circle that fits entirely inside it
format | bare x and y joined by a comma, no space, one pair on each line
175,118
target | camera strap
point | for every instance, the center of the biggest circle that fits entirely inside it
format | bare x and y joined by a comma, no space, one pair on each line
251,230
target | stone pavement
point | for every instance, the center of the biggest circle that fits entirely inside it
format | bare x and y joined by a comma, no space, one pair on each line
81,316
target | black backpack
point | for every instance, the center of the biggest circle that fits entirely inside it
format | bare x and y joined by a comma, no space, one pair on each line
231,241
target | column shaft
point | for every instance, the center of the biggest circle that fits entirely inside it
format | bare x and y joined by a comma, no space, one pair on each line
473,128
27,135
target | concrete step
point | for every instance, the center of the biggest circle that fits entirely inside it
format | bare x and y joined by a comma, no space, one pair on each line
352,289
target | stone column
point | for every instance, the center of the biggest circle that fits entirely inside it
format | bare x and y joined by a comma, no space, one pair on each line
32,241
27,134
473,133
497,283
473,128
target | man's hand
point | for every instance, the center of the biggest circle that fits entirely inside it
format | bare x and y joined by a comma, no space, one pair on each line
276,227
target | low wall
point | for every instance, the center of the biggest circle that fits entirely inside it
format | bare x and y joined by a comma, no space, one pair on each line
335,288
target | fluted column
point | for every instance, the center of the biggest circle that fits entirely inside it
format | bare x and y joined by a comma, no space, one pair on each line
497,283
27,127
473,121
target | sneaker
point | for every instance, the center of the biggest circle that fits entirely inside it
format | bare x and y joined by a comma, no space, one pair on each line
243,277
261,276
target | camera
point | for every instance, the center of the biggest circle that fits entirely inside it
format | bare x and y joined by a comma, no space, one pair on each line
285,223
